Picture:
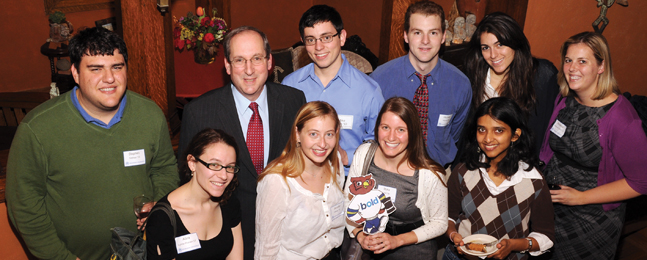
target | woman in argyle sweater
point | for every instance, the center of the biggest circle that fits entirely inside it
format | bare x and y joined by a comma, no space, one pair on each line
496,189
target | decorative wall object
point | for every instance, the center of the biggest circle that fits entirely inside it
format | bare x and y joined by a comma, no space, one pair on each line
602,18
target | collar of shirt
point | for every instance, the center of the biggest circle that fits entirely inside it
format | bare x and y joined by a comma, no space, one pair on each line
490,92
245,114
344,74
90,119
514,179
432,76
242,103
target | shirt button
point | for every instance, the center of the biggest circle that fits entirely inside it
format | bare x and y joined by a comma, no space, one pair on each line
324,201
326,215
432,83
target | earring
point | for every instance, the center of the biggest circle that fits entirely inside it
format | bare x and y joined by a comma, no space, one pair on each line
298,144
478,149
192,174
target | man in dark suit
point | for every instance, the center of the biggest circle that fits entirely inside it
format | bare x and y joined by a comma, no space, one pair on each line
236,109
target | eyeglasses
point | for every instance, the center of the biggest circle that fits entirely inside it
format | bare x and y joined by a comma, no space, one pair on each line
240,61
218,167
324,39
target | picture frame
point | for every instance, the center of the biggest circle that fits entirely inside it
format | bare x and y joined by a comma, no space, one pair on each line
108,23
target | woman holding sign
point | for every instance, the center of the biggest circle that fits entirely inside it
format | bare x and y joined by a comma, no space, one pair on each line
414,183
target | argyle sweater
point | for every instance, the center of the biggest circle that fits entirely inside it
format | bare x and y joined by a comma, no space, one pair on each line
512,214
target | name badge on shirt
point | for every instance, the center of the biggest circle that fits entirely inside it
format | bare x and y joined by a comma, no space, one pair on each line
558,128
346,121
187,243
443,120
134,158
337,210
388,191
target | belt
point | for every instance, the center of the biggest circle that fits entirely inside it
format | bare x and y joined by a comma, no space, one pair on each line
395,230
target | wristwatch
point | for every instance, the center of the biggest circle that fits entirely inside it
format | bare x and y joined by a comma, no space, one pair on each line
529,246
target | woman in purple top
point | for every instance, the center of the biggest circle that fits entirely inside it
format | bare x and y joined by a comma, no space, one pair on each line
594,151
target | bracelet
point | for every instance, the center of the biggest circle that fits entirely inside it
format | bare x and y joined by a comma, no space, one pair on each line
529,246
450,236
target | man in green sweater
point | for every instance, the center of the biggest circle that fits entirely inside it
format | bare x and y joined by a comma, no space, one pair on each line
78,160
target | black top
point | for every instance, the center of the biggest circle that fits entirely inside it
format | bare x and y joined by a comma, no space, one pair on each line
546,90
159,232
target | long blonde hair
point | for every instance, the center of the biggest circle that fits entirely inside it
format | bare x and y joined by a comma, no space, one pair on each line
291,163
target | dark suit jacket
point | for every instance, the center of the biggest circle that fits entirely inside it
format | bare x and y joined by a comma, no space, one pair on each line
216,109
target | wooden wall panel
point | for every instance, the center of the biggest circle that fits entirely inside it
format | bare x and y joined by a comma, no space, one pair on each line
148,36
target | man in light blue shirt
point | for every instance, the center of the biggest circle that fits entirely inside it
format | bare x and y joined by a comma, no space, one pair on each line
449,89
330,78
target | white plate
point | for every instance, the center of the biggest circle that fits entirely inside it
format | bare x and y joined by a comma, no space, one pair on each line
481,239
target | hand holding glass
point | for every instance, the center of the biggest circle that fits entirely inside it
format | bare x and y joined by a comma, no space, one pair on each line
142,206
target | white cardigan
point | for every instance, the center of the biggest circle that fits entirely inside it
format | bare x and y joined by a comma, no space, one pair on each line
432,198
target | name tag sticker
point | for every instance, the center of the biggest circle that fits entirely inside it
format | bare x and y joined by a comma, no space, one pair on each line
337,210
388,191
346,121
558,128
443,120
187,243
134,158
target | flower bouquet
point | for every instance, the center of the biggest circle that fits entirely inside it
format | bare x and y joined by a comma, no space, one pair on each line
200,33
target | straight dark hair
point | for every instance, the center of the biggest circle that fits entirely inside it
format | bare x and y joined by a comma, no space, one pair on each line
196,148
518,82
96,41
415,153
507,111
320,14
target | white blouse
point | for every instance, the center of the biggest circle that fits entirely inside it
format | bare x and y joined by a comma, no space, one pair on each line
490,92
295,223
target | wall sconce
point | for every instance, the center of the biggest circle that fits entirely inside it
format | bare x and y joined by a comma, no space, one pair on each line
162,6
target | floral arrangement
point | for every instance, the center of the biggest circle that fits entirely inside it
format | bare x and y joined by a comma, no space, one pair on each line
57,17
199,31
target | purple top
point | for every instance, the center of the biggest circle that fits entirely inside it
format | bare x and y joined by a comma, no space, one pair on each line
623,142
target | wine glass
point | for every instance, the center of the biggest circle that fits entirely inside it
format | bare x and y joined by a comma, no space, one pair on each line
142,206
553,182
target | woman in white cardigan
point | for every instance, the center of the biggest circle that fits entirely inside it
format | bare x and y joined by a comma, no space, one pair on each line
414,182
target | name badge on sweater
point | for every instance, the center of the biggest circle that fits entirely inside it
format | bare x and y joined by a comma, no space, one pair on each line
388,191
558,128
443,120
187,243
346,121
134,158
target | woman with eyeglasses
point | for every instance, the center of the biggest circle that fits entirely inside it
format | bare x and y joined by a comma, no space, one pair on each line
300,204
207,217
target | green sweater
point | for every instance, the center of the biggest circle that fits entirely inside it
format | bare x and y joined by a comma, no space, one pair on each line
67,183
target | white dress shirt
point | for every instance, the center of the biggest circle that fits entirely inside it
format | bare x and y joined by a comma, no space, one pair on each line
245,114
295,223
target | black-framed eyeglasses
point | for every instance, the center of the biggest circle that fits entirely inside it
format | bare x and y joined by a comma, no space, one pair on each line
218,167
239,62
324,39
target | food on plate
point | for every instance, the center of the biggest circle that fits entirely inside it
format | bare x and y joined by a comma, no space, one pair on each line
476,247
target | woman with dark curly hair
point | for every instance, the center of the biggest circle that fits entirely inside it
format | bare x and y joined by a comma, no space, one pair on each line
205,213
499,63
496,188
